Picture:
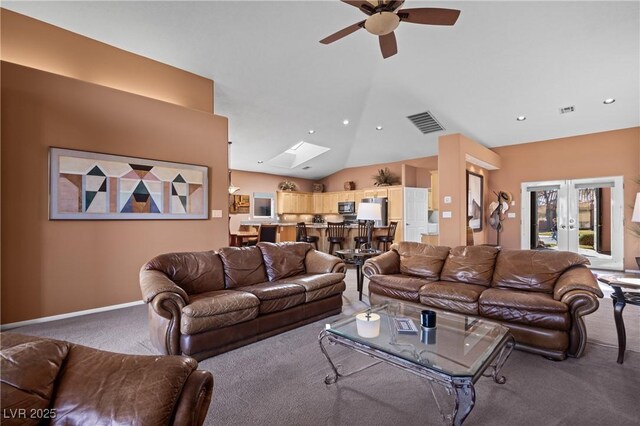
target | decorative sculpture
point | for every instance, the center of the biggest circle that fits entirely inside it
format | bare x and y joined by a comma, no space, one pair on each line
497,210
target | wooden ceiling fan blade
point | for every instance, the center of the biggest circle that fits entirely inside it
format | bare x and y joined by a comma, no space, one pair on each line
388,45
342,33
429,16
364,6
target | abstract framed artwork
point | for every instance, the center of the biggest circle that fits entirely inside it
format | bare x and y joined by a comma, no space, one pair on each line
474,200
239,204
93,186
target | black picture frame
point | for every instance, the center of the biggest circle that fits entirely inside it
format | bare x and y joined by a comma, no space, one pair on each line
475,205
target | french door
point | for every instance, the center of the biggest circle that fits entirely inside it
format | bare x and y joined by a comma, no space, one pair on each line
584,216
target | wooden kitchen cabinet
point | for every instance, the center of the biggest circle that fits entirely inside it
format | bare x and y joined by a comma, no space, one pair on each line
346,196
395,206
330,203
376,193
434,200
317,203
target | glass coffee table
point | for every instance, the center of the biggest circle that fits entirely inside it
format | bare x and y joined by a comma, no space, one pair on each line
454,354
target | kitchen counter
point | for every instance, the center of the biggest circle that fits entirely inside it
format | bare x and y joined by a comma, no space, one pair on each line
308,224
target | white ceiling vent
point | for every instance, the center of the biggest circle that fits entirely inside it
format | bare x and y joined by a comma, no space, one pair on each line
425,122
567,109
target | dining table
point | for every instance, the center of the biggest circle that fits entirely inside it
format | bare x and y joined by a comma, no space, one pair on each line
237,238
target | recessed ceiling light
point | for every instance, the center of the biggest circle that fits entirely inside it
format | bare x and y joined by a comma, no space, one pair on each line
345,122
378,127
609,101
311,131
260,161
521,118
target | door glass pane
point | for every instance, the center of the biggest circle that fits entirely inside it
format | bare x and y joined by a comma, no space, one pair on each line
594,222
544,219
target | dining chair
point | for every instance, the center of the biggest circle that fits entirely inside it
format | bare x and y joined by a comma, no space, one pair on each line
335,234
302,236
267,233
363,234
387,240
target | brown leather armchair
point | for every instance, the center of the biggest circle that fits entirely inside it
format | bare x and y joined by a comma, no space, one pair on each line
205,303
541,296
63,383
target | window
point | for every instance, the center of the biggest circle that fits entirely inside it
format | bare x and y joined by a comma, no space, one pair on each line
263,205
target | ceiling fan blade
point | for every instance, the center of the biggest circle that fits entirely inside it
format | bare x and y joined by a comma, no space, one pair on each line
429,16
388,45
363,5
395,4
342,33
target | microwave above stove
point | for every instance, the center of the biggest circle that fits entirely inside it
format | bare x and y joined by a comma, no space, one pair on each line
346,207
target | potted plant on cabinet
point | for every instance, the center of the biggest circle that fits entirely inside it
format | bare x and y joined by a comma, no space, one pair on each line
384,177
287,185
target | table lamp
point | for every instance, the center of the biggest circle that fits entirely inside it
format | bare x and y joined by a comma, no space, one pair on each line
369,212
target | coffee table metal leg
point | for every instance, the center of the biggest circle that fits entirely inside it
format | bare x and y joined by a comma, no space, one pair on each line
499,362
328,379
465,400
618,307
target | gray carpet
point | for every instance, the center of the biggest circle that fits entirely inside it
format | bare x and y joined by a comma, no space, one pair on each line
279,381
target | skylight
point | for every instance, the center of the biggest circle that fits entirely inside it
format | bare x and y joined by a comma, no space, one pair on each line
297,154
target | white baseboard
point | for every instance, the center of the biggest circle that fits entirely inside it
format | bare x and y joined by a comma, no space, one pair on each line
68,315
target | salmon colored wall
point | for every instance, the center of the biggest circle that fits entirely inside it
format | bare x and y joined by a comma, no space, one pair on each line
362,176
35,44
453,152
55,267
612,153
250,182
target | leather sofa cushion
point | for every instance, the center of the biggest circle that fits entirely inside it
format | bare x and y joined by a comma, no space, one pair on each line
276,297
312,282
29,369
195,272
452,296
283,259
421,260
460,292
242,266
523,307
470,264
218,309
324,292
138,389
533,270
397,286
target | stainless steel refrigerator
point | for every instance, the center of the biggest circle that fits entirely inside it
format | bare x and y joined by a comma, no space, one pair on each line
383,209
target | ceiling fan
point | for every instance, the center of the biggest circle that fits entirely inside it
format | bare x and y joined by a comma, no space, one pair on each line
385,16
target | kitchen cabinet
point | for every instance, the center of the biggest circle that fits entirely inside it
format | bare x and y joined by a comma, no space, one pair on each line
358,196
330,203
434,200
346,196
395,203
317,203
376,193
293,202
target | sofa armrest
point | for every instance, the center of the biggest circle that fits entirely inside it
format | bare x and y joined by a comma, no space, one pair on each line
153,282
385,264
580,303
317,262
576,278
194,401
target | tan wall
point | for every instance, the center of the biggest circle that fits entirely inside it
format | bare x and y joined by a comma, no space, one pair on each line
362,176
453,151
250,182
611,153
53,267
35,44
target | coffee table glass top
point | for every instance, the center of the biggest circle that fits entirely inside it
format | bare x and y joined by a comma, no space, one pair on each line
458,345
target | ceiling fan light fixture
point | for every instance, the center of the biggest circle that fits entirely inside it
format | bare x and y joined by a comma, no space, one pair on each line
382,23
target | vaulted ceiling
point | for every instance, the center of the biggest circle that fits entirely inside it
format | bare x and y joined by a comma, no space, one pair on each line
275,81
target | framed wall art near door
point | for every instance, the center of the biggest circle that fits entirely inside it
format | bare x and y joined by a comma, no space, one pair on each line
474,200
93,186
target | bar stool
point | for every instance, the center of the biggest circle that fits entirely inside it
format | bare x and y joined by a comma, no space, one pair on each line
335,234
363,236
387,239
302,236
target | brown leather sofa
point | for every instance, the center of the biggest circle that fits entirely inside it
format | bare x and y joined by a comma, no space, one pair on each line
540,295
205,303
51,381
